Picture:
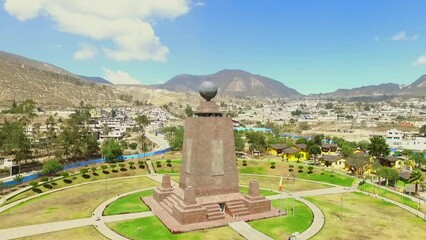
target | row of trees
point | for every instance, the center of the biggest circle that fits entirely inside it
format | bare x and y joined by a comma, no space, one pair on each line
72,141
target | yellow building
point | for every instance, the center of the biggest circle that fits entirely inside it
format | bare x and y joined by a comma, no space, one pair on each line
333,161
295,154
276,149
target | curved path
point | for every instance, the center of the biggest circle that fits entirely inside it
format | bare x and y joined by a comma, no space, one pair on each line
100,221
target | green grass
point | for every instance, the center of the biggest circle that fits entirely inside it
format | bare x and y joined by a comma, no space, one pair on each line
128,204
391,195
78,179
365,217
282,227
263,192
69,204
174,166
88,232
282,168
153,228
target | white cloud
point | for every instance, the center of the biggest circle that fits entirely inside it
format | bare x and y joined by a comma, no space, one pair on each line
402,36
126,23
119,77
420,61
198,3
85,52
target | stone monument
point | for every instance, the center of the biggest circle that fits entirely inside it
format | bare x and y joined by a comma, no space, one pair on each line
208,192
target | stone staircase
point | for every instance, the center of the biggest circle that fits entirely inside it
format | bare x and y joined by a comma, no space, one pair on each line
214,212
169,202
236,208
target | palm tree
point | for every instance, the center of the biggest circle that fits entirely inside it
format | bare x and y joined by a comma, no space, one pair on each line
417,178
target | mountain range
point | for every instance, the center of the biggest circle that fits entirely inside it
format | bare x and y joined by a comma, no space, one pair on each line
22,78
235,83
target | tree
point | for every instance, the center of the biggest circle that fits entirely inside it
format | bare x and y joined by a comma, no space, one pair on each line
422,131
131,165
256,141
272,165
416,178
244,163
310,169
378,147
52,166
298,155
133,145
318,139
188,111
419,158
19,178
347,150
239,142
314,150
124,144
388,174
169,162
302,140
34,184
65,175
363,145
300,169
291,168
13,141
111,150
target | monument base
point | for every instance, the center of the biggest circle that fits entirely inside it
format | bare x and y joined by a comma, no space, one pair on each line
181,211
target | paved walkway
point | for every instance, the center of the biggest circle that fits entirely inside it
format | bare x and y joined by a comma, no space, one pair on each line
316,224
159,139
247,231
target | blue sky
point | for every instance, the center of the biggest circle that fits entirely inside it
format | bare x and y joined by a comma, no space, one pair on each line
311,45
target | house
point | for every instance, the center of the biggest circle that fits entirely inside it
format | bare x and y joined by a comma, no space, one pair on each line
393,162
291,154
277,149
327,148
333,161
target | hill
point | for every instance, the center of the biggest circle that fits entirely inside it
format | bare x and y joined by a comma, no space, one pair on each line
417,88
22,78
232,83
371,90
95,79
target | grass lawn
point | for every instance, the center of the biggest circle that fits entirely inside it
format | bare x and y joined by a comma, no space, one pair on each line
263,192
174,166
366,217
73,203
78,178
273,182
388,194
128,204
282,227
71,234
147,225
282,168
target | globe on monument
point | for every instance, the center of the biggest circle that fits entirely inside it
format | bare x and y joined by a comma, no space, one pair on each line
208,90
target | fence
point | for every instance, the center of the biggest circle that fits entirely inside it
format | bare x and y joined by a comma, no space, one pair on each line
88,162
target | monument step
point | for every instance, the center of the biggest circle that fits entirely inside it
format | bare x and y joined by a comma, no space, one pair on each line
169,202
217,217
166,207
240,212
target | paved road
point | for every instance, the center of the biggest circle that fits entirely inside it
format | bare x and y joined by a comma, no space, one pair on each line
158,139
247,231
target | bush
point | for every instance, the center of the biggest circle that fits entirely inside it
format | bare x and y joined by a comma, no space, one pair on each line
310,169
272,165
131,164
300,169
44,179
104,167
94,169
65,174
122,165
158,163
169,162
52,166
133,146
244,162
290,168
34,184
84,171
